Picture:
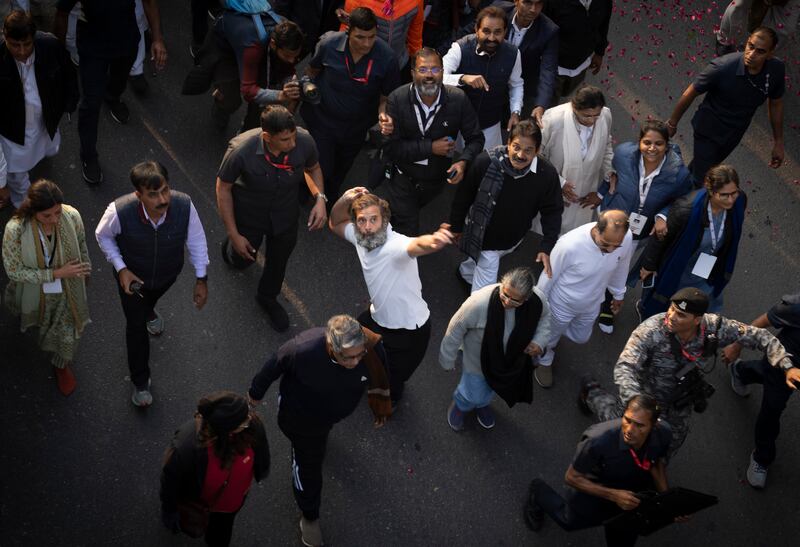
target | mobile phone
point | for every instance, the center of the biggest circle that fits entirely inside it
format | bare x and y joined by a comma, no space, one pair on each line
649,282
451,175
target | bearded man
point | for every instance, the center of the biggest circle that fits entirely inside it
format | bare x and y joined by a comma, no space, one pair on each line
389,261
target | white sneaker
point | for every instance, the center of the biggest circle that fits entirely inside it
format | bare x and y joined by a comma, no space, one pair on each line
142,398
155,326
756,474
608,329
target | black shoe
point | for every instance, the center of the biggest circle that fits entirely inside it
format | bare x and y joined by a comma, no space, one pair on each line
119,111
139,84
92,173
277,315
194,50
534,516
588,383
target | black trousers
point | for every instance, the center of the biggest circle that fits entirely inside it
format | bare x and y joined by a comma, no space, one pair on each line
101,78
773,401
137,341
308,452
278,248
336,156
565,86
565,516
710,151
406,198
220,529
405,350
200,18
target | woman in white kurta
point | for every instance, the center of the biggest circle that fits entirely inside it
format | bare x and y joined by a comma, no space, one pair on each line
576,139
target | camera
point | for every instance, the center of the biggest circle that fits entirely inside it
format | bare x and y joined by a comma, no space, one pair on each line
309,92
692,389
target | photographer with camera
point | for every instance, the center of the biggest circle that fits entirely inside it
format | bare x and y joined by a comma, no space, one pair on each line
667,357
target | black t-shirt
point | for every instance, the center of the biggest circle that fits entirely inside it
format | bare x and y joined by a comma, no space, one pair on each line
106,28
786,316
265,192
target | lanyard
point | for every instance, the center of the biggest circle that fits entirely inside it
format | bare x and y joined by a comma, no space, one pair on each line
641,464
284,165
418,110
644,189
365,79
692,357
716,237
48,260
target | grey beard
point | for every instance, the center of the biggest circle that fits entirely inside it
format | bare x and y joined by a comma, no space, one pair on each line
372,241
428,90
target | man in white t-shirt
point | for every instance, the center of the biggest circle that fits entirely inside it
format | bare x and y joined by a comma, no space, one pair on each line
389,262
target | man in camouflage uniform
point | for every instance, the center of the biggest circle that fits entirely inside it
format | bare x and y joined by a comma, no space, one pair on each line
667,347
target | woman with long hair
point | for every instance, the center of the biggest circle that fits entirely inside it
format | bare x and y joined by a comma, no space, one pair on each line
210,466
47,262
701,243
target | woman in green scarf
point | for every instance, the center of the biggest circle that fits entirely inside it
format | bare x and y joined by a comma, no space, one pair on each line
46,259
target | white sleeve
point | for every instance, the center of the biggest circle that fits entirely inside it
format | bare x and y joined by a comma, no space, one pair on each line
106,234
196,243
557,264
450,63
616,285
350,233
516,86
543,332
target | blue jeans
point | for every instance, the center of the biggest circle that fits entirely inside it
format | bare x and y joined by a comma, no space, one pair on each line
472,392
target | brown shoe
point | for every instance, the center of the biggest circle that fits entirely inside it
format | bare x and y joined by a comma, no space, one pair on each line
65,379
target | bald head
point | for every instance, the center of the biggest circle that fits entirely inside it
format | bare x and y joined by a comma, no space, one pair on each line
612,221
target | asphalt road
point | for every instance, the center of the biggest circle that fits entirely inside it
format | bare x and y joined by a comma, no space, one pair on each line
84,470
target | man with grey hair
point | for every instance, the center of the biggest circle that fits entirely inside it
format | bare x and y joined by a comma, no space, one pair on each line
585,262
500,327
324,372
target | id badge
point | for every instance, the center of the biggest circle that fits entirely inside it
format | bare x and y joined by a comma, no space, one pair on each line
704,265
54,287
637,223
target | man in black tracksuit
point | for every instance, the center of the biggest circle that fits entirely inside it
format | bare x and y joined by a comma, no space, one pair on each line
324,373
422,121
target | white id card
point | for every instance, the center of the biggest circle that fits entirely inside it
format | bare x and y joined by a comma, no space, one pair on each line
422,162
704,265
54,287
637,223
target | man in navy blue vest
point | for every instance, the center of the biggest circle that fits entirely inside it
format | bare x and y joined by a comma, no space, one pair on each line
143,235
490,71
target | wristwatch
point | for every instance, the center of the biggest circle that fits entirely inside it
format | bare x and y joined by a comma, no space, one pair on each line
203,279
321,195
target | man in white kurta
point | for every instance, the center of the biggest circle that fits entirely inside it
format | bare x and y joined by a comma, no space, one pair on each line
585,262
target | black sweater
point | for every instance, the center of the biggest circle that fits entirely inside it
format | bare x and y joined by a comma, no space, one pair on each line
519,202
582,32
313,387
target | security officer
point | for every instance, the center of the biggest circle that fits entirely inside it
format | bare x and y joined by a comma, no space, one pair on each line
666,357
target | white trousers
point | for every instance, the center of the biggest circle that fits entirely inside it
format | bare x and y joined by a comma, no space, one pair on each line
484,272
18,184
576,326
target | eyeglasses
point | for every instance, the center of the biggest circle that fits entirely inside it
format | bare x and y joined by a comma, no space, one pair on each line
728,195
512,301
436,70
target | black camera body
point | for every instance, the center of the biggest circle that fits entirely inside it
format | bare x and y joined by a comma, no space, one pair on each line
692,389
309,92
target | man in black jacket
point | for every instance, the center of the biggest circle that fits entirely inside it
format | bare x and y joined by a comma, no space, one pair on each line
582,39
324,373
38,84
422,121
502,193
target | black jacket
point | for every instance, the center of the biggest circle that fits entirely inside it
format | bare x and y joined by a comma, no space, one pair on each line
582,32
56,79
314,19
539,53
407,144
186,462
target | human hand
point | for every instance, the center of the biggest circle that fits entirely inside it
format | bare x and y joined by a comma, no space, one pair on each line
442,237
568,192
730,353
290,91
443,146
776,155
73,268
512,121
625,499
353,193
644,274
386,123
318,216
252,403
672,128
458,168
475,80
597,62
533,350
592,200
126,277
200,294
659,228
158,54
612,183
242,247
537,114
379,421
544,259
343,16
683,518
616,305
793,378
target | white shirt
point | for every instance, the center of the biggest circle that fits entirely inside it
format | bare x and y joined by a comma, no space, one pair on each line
646,182
585,133
581,272
452,60
425,108
516,34
109,228
392,278
37,143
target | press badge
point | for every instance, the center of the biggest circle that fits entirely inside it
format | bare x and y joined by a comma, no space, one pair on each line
637,223
704,265
54,287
